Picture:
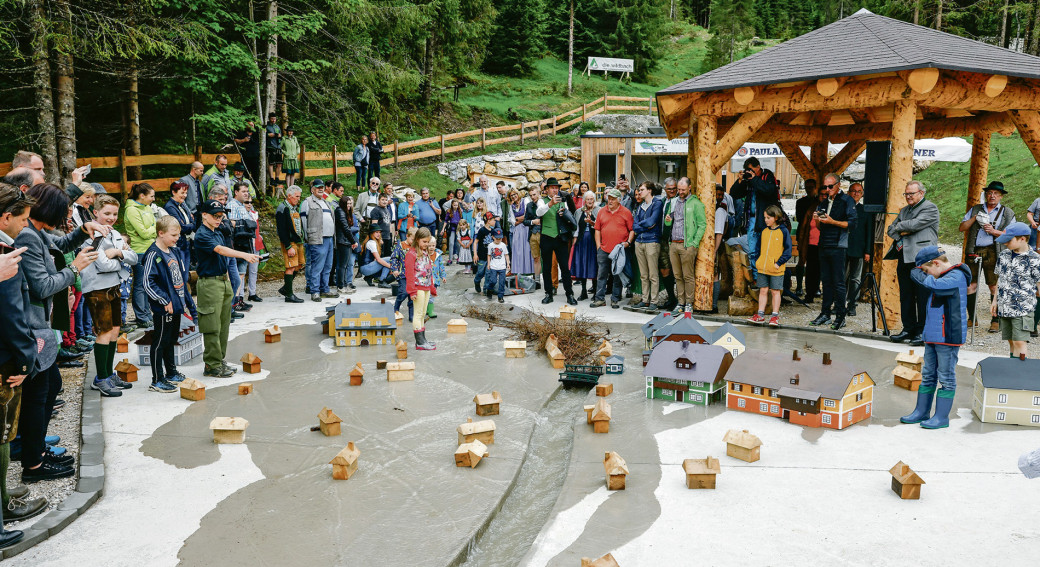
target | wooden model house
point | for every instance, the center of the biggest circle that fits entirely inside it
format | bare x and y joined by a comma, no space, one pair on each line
1007,390
907,373
682,328
905,482
380,365
250,363
588,413
515,349
187,346
567,312
273,335
362,324
329,422
601,417
554,352
402,350
615,364
357,375
604,390
688,372
192,389
742,445
126,371
469,454
122,344
458,326
659,320
345,463
399,318
813,392
700,473
616,469
245,388
229,430
606,349
487,404
910,360
605,561
729,337
483,431
400,371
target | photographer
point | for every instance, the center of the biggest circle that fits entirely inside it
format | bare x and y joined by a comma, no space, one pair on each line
758,188
836,216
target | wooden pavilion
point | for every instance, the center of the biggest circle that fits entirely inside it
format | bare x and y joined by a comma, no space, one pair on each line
863,78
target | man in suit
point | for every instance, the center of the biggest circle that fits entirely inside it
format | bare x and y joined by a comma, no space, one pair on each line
916,226
194,182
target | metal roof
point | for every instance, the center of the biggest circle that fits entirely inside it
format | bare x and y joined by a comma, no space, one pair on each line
862,44
710,362
658,321
1010,373
775,370
685,325
730,328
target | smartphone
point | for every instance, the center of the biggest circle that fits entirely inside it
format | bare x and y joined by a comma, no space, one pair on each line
86,170
96,243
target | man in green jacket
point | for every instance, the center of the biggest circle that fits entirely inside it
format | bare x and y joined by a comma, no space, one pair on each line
684,226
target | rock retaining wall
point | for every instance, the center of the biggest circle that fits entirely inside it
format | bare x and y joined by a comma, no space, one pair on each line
525,166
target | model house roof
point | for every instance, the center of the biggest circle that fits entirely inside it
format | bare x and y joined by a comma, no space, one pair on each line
348,455
273,331
862,44
250,358
912,357
601,411
741,439
475,447
349,310
471,427
657,322
905,475
1010,373
229,423
327,416
614,464
192,384
707,465
731,329
685,325
615,359
802,376
486,399
357,370
710,362
126,366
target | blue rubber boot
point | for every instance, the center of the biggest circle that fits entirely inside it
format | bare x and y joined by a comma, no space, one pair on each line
943,405
924,404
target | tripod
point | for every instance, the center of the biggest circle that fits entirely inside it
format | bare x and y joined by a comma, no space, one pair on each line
875,304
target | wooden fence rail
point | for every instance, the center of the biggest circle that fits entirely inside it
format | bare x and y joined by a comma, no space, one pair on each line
421,149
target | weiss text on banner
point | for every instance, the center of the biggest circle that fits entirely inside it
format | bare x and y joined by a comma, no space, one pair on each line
611,64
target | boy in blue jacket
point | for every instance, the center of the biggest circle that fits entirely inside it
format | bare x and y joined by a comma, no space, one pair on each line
169,298
945,327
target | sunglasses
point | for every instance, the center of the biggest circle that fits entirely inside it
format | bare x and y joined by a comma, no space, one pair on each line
832,186
18,199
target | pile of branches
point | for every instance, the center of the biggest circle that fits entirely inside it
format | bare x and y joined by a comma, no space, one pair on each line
579,339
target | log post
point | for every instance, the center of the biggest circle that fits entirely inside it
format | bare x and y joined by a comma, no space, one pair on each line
539,130
979,171
396,144
198,154
704,185
122,173
797,158
818,158
442,146
900,171
335,164
738,134
554,126
303,162
483,140
583,105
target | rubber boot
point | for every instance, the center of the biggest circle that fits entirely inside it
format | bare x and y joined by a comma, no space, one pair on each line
943,405
924,405
971,310
429,311
421,343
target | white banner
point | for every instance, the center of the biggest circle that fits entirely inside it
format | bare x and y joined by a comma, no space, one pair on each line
660,145
610,64
944,149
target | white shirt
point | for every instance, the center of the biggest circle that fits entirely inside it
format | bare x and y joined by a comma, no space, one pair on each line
720,220
497,256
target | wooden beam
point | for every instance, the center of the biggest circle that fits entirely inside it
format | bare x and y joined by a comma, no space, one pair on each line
1028,124
942,128
674,112
900,171
735,137
977,175
860,115
818,159
988,85
705,187
830,85
846,156
921,80
801,164
744,95
821,117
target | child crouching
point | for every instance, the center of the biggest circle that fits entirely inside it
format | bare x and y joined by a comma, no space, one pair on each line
168,295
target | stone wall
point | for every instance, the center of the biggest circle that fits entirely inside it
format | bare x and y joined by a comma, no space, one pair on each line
525,166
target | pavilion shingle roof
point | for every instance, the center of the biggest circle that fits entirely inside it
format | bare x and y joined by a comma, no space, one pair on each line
861,44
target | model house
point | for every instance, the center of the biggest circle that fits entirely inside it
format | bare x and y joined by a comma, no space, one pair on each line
742,445
187,346
122,344
126,371
273,335
604,390
362,324
487,404
605,561
192,389
329,422
1007,390
515,349
905,482
683,328
615,364
688,372
245,388
701,473
457,326
600,417
470,454
402,350
815,392
483,431
250,363
229,430
554,352
658,321
345,463
567,312
400,371
907,373
616,469
357,375
729,337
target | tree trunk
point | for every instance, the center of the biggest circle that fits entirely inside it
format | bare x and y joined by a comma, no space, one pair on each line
570,53
133,122
283,106
938,16
1034,42
270,87
1003,41
66,103
671,12
427,88
42,87
917,11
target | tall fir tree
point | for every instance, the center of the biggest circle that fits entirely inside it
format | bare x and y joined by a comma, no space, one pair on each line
516,39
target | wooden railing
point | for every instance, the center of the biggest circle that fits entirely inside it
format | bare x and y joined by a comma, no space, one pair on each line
394,154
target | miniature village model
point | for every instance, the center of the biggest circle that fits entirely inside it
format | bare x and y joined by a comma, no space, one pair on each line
905,482
402,350
600,417
907,373
400,371
457,326
515,349
122,344
553,351
615,364
329,422
357,375
487,404
682,326
469,454
483,431
813,392
229,430
188,344
192,389
1007,390
616,469
126,371
688,372
742,445
245,388
567,312
273,335
250,363
701,473
345,463
604,390
361,324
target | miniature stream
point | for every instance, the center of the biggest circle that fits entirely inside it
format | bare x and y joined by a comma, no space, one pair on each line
527,507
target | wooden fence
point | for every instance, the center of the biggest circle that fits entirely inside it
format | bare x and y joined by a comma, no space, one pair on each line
394,154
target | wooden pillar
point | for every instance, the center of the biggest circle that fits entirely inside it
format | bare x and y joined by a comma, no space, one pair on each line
978,174
583,105
704,188
900,171
442,146
122,173
539,130
198,153
303,163
818,158
335,164
398,143
483,140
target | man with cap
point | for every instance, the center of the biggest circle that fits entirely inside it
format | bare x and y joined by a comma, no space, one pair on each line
1018,282
320,230
613,228
239,176
984,223
916,227
273,135
946,290
557,226
213,252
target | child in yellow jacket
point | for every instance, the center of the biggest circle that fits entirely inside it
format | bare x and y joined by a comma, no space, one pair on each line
774,250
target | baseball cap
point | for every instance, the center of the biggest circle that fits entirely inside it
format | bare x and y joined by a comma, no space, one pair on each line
497,233
927,254
212,207
1014,229
317,182
489,215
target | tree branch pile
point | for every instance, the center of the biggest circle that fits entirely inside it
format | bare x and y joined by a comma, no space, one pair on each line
579,339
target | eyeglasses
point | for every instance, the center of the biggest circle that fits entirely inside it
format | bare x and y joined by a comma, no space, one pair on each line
18,199
832,186
910,193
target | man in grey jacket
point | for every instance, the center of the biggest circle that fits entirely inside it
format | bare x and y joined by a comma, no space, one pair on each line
320,229
916,226
984,223
194,182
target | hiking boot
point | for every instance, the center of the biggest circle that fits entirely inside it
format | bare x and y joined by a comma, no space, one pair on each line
163,387
118,382
256,298
19,491
597,303
757,319
216,372
20,508
329,295
46,471
107,389
229,368
315,297
821,319
838,323
994,326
